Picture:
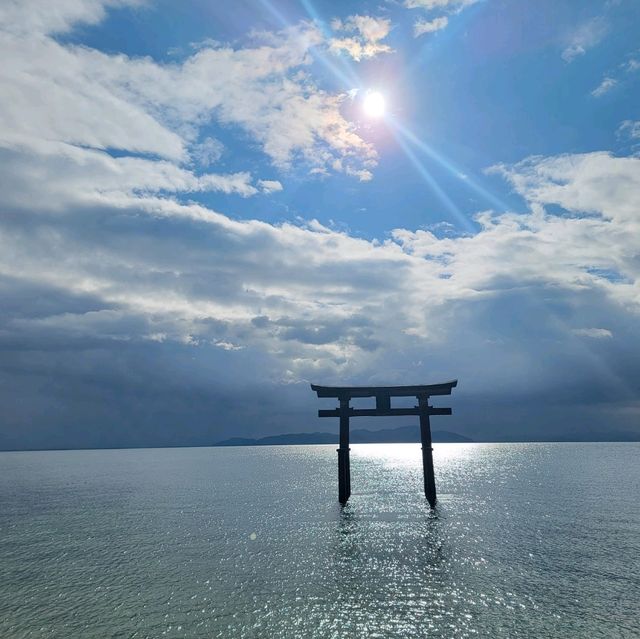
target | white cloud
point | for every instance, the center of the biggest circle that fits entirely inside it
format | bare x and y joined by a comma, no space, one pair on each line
71,175
592,183
263,91
303,301
612,80
632,65
328,301
207,152
140,106
421,27
585,37
601,191
438,4
595,333
270,186
630,128
604,87
43,17
367,41
371,29
82,106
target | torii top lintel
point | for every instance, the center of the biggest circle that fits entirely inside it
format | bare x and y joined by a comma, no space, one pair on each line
346,392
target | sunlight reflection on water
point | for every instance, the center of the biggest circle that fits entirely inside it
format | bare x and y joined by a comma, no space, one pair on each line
527,540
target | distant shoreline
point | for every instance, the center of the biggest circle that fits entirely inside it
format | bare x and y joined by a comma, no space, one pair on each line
177,446
402,435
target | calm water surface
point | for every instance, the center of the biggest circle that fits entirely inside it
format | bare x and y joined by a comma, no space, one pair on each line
528,540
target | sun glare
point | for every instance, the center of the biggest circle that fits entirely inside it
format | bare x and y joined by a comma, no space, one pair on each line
373,104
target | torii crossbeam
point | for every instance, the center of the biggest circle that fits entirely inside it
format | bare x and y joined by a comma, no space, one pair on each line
383,395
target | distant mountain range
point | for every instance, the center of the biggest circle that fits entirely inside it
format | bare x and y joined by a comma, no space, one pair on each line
404,434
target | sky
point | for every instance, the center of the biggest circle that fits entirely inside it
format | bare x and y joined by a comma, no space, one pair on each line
206,206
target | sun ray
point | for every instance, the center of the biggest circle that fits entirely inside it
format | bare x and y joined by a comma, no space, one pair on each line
450,166
457,214
346,74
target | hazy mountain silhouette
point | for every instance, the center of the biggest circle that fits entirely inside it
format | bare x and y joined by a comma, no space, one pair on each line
404,434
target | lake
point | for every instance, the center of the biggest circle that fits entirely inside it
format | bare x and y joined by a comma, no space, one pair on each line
528,540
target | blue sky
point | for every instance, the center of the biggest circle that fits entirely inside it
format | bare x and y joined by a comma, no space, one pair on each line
196,208
491,87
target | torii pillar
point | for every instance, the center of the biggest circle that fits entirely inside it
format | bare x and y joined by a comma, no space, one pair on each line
427,451
344,464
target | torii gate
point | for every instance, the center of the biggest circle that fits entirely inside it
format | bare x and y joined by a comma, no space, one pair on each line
383,395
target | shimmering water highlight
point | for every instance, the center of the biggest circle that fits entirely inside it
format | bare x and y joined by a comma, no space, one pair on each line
528,540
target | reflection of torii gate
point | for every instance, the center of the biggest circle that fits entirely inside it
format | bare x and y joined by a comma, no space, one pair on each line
383,395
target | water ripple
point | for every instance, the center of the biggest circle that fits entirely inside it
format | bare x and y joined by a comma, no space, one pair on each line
528,540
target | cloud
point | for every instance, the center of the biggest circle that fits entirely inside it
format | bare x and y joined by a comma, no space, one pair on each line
71,175
438,4
331,304
595,333
207,152
127,308
630,129
270,186
585,37
421,27
604,87
367,41
616,78
83,106
632,65
113,102
133,288
591,183
34,16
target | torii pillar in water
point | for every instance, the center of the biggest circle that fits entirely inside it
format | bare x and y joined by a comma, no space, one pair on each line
383,395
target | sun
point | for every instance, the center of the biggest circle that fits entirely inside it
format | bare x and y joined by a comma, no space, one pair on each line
373,104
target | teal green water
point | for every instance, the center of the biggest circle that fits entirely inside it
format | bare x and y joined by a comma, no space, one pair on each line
528,540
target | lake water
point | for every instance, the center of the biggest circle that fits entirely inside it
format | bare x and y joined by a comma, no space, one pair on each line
528,540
